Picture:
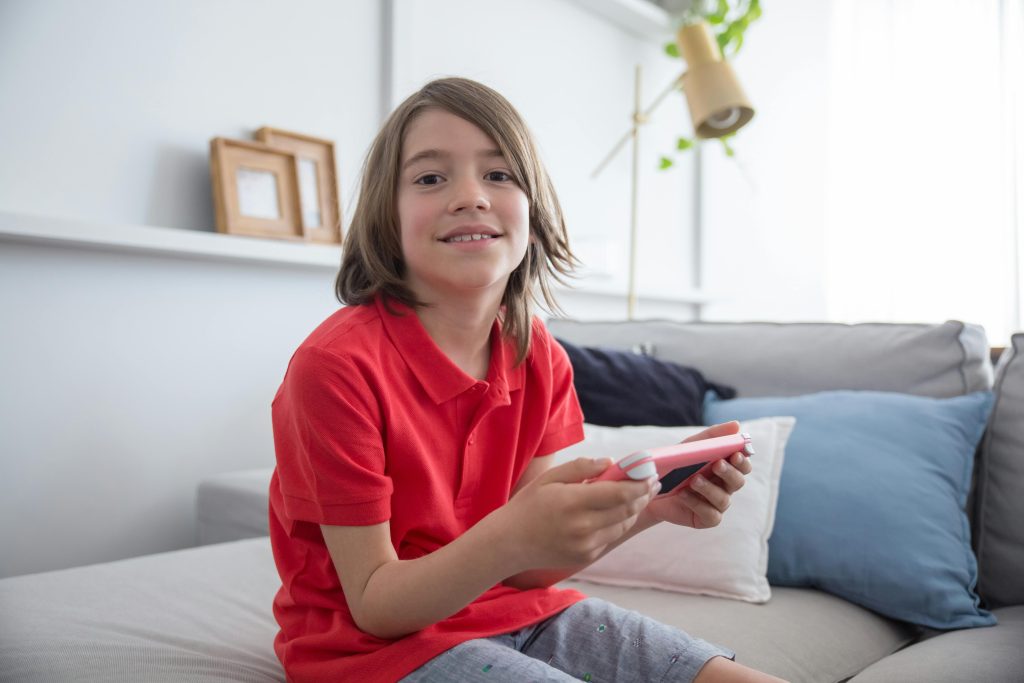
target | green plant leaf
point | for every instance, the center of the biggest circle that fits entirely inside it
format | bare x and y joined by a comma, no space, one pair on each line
664,163
732,37
726,147
747,16
672,50
718,16
739,43
731,23
684,144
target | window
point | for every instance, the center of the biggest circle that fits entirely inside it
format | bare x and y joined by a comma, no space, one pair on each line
925,180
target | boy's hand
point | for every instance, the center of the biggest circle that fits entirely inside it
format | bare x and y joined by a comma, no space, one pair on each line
705,498
558,521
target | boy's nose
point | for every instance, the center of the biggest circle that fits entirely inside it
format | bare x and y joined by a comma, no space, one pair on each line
469,194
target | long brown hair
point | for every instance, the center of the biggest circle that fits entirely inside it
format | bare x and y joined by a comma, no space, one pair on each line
372,257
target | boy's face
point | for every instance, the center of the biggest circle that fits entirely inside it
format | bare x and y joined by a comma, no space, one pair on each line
464,220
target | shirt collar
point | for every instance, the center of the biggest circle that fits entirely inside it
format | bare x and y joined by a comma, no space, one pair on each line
439,376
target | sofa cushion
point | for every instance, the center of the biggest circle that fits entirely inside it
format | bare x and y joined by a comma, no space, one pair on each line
730,560
618,388
871,502
999,491
786,359
801,635
984,655
201,615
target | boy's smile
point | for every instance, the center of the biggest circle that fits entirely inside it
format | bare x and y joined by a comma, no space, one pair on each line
470,233
464,220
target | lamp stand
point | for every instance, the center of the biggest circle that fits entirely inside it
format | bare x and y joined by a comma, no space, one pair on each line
640,117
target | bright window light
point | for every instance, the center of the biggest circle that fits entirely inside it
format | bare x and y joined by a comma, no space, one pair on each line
926,163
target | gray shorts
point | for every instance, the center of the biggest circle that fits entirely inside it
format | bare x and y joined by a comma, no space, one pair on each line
592,640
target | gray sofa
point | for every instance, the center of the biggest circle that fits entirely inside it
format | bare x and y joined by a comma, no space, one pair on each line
203,614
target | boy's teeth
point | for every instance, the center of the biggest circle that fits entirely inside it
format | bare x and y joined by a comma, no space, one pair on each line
466,238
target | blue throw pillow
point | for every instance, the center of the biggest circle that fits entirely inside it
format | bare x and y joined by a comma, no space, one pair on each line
619,388
872,497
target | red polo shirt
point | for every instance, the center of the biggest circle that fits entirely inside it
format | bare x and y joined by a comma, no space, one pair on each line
374,423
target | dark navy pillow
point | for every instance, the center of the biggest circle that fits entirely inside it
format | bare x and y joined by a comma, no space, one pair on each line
618,388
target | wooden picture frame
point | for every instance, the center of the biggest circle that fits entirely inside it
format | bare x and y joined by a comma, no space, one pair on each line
255,190
318,181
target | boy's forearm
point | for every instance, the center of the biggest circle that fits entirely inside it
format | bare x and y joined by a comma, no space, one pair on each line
542,578
408,595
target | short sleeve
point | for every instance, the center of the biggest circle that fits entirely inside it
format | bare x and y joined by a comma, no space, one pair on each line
329,444
565,417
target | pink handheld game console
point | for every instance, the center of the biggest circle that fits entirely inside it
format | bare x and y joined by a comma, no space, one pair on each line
675,464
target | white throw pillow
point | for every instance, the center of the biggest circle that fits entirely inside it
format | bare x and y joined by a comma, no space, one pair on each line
728,561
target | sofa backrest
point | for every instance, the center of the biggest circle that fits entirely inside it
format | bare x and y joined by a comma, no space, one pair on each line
788,359
999,487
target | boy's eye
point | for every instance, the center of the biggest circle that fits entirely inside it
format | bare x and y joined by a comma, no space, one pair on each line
499,176
429,179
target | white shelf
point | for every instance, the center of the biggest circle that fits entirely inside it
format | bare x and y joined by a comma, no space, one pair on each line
640,17
168,241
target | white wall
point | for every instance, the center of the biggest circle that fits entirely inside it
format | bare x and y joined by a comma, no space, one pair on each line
107,107
123,390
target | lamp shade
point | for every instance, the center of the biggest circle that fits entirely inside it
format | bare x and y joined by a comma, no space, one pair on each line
718,105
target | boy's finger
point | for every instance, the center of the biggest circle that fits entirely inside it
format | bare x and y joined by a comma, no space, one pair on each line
602,495
705,511
577,470
610,517
714,494
741,462
729,476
